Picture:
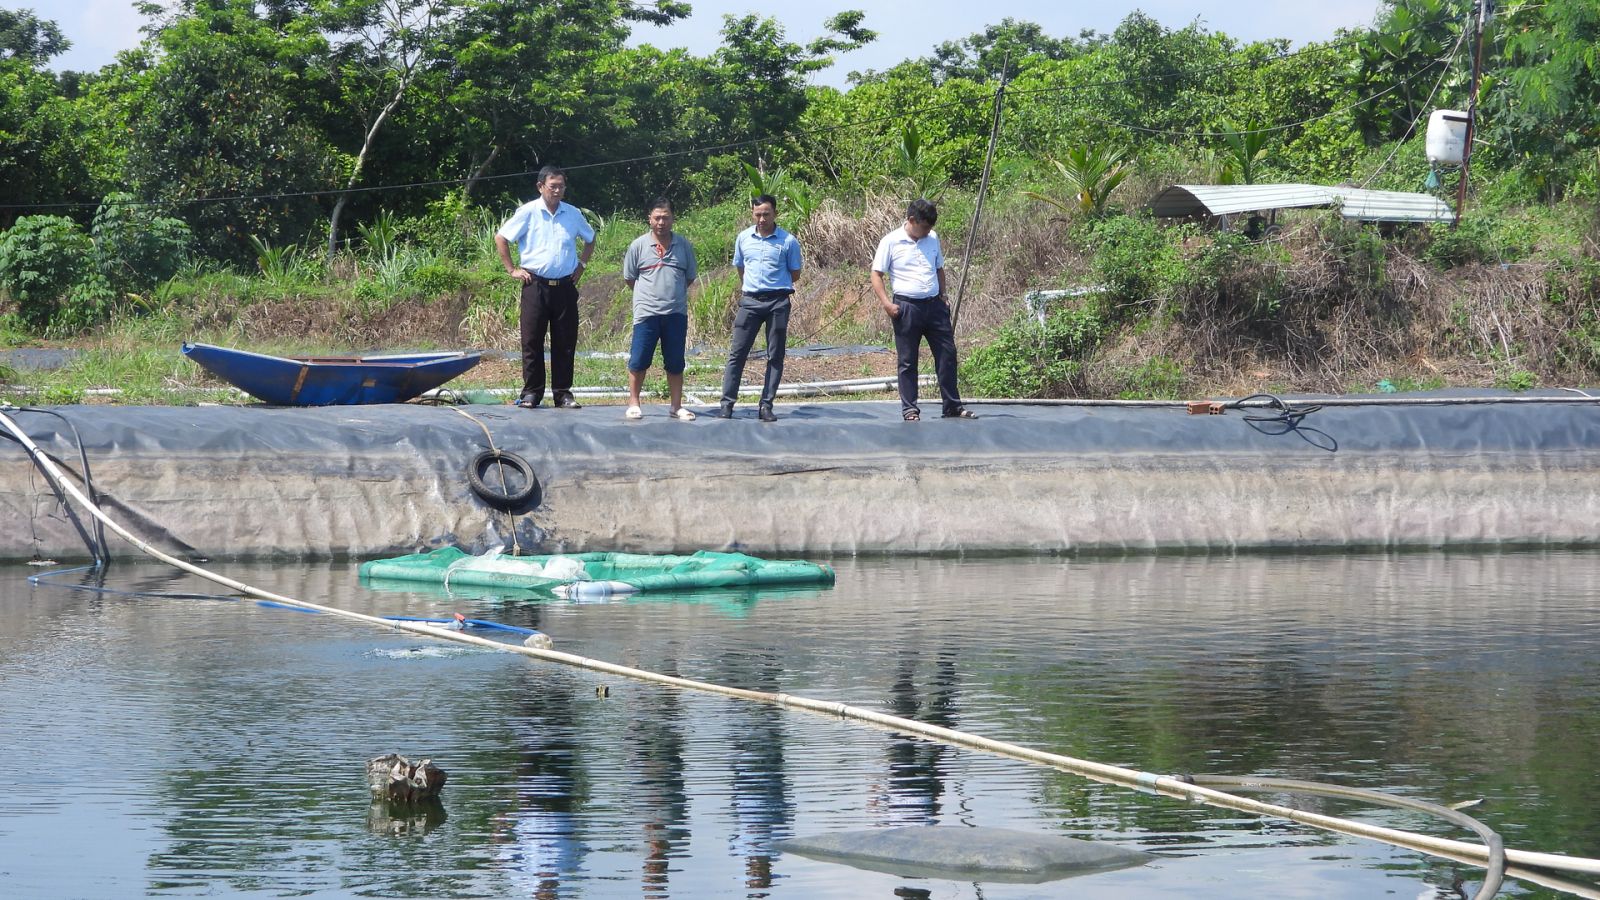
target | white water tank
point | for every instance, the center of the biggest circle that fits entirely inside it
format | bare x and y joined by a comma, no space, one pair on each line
1447,136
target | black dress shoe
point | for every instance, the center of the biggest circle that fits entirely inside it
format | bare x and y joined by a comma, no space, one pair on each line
528,401
725,411
567,401
765,414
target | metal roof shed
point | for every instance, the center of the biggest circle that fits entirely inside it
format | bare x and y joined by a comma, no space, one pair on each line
1353,203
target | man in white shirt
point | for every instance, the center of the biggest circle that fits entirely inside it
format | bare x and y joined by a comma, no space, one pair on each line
549,267
911,259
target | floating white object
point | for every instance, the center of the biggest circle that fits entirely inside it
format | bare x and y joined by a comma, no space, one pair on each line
1447,136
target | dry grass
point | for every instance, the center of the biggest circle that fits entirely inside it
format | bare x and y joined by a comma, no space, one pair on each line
1338,329
1315,315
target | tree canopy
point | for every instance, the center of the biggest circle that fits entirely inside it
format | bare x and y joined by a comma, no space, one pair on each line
290,121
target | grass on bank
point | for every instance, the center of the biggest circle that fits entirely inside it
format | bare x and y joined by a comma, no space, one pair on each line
1509,299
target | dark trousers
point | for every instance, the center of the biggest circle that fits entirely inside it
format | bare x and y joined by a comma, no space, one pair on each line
754,313
929,319
553,308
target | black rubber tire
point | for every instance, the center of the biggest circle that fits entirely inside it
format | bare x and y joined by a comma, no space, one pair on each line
493,494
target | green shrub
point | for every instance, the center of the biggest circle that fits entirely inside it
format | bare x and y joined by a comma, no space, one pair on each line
1030,359
87,303
435,278
1232,272
1157,378
1485,237
1135,258
1363,249
1516,380
453,227
134,249
41,259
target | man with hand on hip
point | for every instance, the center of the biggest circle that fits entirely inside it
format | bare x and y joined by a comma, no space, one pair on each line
911,258
549,267
768,260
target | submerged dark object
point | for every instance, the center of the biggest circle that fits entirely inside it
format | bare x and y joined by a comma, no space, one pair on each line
330,380
398,780
982,854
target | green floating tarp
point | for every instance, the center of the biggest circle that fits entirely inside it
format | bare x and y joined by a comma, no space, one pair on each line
642,572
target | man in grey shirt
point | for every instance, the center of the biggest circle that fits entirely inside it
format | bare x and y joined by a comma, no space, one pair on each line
659,266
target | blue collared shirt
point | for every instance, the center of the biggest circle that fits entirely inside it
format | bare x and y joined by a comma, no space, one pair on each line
545,240
767,261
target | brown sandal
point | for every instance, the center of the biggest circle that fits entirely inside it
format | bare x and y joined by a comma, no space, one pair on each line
911,415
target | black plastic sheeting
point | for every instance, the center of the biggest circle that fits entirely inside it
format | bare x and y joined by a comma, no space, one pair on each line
826,478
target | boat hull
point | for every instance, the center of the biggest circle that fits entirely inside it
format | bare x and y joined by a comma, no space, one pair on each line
330,381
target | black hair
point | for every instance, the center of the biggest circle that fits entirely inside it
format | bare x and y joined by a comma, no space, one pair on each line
764,198
549,172
923,211
659,203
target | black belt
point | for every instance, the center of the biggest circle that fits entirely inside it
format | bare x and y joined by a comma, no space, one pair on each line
902,298
553,282
767,295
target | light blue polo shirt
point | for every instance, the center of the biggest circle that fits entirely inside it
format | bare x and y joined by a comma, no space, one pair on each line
544,239
767,261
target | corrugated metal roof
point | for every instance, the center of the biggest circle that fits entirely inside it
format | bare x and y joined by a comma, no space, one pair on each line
1392,206
1353,203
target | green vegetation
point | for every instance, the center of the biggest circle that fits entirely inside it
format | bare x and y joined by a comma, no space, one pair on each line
328,176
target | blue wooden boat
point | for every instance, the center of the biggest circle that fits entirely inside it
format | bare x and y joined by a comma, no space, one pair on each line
330,380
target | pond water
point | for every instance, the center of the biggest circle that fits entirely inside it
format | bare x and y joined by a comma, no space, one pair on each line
184,746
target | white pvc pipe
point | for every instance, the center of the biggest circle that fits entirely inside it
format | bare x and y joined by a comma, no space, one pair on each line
1475,854
799,389
1291,401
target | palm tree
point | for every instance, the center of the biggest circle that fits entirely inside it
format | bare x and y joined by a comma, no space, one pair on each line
1244,150
1091,174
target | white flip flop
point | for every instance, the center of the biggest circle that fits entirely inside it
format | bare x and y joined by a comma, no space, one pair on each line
682,415
633,412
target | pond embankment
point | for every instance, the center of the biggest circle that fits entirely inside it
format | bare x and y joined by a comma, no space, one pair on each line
1459,469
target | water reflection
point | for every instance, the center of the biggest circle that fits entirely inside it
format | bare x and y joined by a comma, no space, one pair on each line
758,798
915,773
403,819
239,734
540,836
656,764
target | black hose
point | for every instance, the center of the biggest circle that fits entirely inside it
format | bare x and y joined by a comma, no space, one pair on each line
97,540
1287,413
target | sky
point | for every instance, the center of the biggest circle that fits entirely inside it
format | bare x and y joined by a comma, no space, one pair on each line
906,29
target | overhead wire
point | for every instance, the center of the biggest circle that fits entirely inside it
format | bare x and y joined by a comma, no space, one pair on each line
1461,39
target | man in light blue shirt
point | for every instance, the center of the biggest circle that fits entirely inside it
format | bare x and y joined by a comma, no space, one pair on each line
768,260
549,267
911,258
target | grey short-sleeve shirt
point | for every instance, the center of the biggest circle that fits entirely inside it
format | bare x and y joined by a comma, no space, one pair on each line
660,280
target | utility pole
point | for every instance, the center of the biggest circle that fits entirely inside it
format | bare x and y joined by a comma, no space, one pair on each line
1472,108
983,189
